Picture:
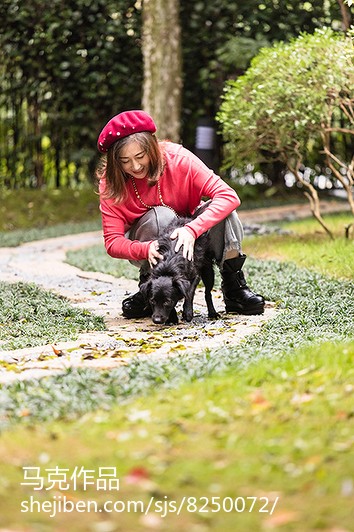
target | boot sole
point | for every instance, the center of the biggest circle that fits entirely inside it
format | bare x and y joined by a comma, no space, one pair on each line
247,312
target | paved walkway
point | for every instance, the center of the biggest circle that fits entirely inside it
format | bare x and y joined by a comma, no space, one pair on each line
290,212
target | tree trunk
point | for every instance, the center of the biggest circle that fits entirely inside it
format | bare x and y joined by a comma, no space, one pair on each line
34,118
346,16
161,43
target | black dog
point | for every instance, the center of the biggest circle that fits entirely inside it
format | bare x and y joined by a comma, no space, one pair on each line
175,278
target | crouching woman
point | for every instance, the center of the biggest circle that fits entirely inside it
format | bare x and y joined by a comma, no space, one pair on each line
143,185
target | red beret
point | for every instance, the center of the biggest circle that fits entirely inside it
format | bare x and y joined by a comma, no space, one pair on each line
123,125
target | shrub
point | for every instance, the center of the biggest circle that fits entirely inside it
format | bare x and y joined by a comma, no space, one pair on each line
295,98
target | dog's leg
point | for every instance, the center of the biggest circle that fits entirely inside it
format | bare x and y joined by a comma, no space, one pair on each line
187,311
173,318
208,278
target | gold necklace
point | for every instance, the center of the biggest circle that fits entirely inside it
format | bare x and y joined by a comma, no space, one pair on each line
163,204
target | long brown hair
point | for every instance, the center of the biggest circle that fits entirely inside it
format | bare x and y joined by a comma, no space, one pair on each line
110,166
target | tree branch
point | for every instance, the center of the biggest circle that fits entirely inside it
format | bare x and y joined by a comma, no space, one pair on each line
312,196
340,130
349,113
327,152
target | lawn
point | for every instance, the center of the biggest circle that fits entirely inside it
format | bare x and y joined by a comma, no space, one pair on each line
308,246
27,215
267,423
267,446
25,209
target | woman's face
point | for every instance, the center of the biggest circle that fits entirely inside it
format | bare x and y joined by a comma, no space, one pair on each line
134,160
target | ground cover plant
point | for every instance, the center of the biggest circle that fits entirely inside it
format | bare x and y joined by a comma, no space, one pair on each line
96,259
314,309
20,236
31,316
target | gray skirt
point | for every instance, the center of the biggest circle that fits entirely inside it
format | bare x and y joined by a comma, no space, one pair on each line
225,237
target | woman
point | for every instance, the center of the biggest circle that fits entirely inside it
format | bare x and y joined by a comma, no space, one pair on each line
143,185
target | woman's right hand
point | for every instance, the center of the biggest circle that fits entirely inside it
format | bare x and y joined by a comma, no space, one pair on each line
153,254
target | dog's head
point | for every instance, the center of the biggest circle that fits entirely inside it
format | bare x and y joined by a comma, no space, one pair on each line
163,293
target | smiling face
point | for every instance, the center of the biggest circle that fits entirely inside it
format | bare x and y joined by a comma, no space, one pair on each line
134,160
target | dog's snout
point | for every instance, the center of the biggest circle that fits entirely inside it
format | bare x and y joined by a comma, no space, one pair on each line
158,319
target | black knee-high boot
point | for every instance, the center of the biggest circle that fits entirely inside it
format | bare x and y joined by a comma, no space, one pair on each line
136,306
237,296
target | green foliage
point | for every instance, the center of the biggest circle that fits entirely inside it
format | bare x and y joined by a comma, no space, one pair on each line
66,71
237,52
66,67
278,109
30,316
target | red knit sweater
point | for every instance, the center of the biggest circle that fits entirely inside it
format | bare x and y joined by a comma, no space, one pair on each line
184,182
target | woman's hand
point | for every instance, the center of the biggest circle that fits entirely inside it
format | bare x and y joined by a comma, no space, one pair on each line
153,254
185,239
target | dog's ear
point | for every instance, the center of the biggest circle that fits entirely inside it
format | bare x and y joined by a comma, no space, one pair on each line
182,285
145,289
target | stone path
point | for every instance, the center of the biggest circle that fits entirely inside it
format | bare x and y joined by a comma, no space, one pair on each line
291,212
43,263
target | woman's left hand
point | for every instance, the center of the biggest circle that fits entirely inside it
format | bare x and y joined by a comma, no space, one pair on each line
153,255
185,239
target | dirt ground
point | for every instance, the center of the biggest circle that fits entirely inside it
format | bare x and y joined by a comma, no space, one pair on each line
43,263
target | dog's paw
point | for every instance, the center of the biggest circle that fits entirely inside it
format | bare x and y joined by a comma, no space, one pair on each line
187,316
213,315
172,322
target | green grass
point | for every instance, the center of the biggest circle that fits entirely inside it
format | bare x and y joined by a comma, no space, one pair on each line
336,223
280,427
30,316
309,247
306,246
